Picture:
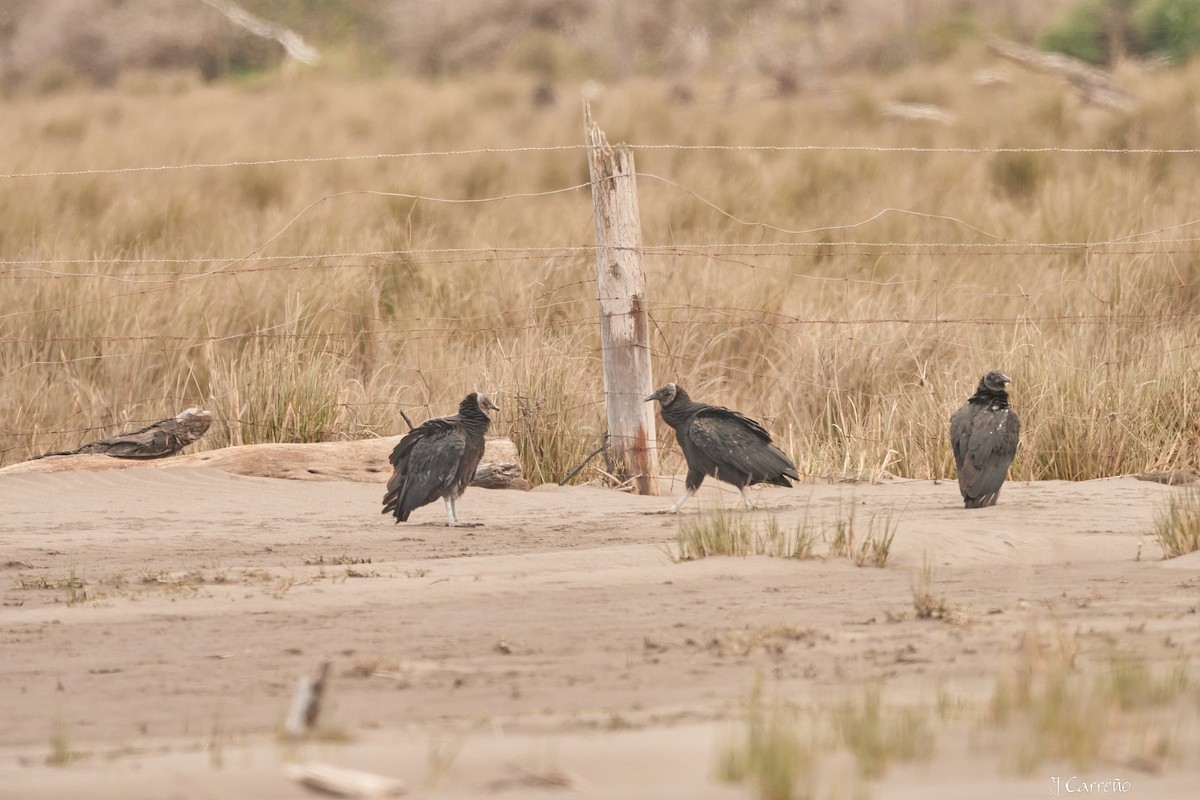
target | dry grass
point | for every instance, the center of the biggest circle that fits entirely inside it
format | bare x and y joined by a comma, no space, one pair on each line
798,543
78,591
724,532
1052,707
73,586
874,548
771,640
773,755
853,355
927,602
1177,527
879,737
1053,703
788,753
716,533
60,747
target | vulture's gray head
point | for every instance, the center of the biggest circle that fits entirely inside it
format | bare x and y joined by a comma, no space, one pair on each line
665,394
483,403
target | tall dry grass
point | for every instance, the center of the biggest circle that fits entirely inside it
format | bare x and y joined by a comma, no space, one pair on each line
304,301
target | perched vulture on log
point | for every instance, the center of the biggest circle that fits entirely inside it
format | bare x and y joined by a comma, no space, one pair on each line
721,443
438,458
163,438
984,434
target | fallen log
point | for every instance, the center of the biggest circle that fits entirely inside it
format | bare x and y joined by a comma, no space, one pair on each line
500,476
164,438
1170,477
364,460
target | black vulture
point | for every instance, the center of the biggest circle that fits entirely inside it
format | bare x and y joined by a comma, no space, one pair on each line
984,434
722,443
438,458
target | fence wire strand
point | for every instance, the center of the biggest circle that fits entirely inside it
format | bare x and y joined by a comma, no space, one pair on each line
816,148
343,340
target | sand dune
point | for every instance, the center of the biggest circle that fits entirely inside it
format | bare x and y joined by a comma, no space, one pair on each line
561,639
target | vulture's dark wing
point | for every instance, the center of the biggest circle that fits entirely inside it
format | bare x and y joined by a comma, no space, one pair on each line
432,464
424,464
984,442
430,428
733,441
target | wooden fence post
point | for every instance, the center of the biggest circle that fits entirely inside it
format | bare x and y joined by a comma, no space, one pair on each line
624,325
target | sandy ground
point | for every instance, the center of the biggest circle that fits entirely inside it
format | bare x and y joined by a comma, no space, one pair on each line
559,644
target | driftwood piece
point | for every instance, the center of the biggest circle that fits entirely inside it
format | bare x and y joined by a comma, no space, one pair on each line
164,438
1094,85
918,112
500,476
332,781
1170,477
365,461
997,76
306,703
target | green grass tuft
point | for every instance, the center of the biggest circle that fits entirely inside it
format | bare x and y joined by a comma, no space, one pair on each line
60,747
798,543
1052,709
1177,527
927,603
874,548
717,533
772,755
727,532
877,736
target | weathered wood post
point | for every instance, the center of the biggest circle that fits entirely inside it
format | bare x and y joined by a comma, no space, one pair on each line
624,326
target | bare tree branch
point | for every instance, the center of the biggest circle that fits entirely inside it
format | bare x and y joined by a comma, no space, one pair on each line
295,46
1095,85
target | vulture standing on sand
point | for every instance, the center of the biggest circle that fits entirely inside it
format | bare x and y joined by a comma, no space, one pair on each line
984,433
438,458
722,443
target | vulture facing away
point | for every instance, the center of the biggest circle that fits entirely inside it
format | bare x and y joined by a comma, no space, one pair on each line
721,443
984,434
438,458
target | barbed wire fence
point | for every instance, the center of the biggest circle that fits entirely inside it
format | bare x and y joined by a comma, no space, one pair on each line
145,276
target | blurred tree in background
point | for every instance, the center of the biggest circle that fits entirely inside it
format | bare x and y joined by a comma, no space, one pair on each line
47,44
1102,31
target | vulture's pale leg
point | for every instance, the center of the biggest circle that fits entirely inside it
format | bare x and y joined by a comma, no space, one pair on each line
686,494
745,498
452,516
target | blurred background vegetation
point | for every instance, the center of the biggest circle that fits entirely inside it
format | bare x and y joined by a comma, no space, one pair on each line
47,44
